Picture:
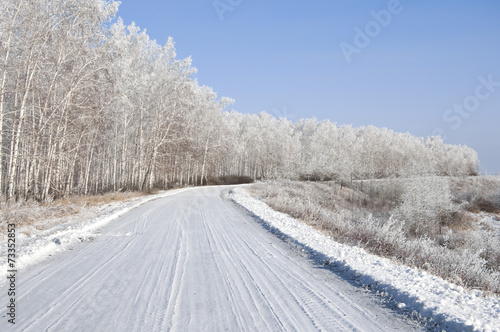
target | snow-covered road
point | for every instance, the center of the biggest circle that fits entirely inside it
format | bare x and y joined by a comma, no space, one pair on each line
190,261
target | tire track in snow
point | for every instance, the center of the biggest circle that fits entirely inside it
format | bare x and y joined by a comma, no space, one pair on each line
85,282
307,301
222,267
311,301
257,290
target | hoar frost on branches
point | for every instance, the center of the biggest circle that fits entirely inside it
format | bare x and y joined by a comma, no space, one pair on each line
89,105
426,205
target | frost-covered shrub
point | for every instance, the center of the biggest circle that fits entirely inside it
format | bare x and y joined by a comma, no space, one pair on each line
426,205
229,179
479,193
469,257
382,195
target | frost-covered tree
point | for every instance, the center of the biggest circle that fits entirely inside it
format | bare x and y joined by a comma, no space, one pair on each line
89,105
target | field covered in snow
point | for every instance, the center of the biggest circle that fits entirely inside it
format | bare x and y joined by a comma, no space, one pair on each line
447,226
449,305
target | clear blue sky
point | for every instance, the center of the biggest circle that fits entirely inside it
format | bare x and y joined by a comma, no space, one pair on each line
287,58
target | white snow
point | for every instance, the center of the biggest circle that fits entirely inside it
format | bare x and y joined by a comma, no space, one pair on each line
447,304
190,262
42,244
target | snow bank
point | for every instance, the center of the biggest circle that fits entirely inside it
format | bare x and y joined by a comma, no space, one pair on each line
33,249
447,304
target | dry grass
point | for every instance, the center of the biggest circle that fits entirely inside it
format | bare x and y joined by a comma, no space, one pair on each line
97,199
478,193
31,216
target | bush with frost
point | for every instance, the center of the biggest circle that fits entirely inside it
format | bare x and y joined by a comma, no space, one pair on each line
426,205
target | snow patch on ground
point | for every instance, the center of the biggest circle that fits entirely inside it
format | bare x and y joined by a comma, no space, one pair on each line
31,249
449,305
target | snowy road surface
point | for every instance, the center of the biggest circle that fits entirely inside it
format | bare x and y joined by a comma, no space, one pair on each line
190,261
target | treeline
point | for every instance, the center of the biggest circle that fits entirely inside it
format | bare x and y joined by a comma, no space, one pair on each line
89,105
266,147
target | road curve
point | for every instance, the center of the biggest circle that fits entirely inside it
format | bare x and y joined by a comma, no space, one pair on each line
190,262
